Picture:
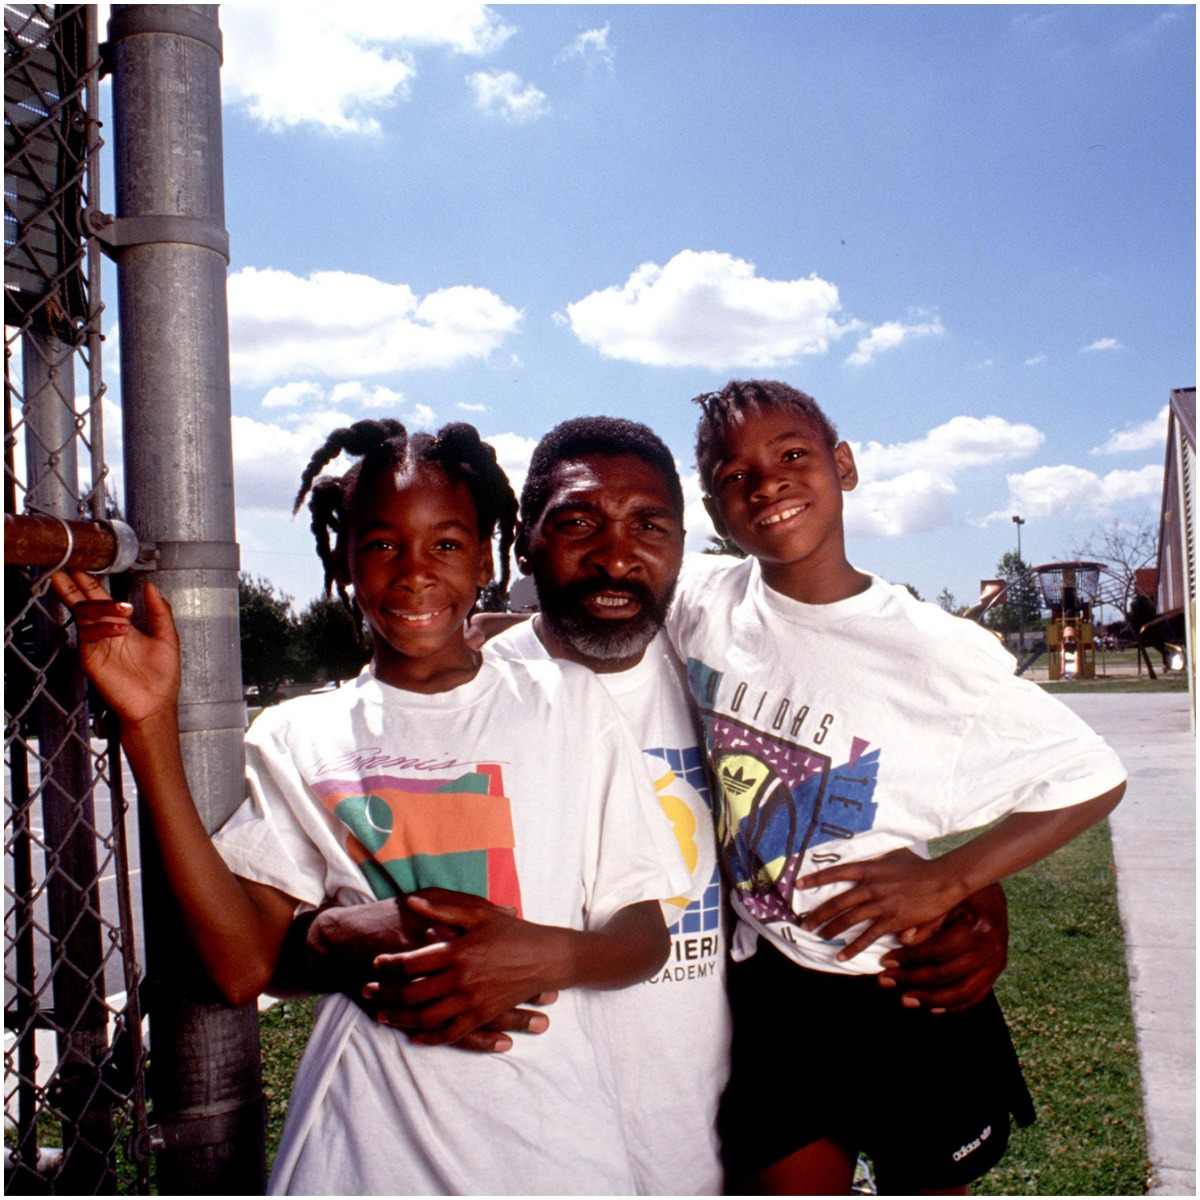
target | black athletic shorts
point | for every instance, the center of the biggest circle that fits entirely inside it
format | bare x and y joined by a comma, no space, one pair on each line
818,1055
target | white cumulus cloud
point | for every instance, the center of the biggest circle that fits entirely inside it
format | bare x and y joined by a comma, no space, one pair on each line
341,325
1146,436
471,408
269,457
513,452
290,395
888,336
696,520
321,64
910,503
591,45
1054,491
709,309
1035,360
506,94
1104,343
953,446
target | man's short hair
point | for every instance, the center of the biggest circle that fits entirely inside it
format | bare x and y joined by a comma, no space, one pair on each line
721,409
583,436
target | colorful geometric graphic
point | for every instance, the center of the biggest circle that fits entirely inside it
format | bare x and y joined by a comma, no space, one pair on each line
684,794
406,834
779,802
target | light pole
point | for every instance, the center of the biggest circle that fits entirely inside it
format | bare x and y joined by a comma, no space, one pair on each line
1018,522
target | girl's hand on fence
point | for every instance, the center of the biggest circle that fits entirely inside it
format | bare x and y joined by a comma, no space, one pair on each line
136,672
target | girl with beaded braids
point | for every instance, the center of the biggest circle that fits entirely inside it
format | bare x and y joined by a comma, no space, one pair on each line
522,858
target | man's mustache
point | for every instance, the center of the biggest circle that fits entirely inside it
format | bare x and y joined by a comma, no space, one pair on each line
575,593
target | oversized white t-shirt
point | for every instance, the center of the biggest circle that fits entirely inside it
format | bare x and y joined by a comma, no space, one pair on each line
840,732
667,1038
492,789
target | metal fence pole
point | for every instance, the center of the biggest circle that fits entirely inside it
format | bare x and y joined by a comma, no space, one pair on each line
171,253
68,814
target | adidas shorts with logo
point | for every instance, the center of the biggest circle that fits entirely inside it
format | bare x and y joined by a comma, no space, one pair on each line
818,1055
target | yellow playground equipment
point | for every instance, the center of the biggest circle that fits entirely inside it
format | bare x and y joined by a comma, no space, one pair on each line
1069,590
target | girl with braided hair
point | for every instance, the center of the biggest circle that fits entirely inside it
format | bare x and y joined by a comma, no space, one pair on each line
522,860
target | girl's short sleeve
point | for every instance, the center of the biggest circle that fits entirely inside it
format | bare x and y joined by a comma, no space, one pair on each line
1028,752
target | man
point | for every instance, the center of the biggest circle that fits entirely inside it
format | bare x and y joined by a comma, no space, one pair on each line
602,535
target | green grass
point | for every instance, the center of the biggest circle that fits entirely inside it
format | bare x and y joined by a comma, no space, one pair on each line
1120,683
284,1031
1066,996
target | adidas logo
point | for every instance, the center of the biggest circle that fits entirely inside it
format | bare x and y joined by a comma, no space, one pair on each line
735,781
972,1146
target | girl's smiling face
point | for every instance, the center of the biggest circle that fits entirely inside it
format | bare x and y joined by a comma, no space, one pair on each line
413,553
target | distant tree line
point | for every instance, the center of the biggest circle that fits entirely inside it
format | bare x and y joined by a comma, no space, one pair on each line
318,646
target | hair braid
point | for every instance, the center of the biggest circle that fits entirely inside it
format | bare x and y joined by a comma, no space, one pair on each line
457,450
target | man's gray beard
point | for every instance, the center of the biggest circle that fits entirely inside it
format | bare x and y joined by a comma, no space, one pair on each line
604,640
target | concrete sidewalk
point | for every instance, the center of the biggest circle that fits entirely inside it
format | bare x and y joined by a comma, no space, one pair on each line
1154,845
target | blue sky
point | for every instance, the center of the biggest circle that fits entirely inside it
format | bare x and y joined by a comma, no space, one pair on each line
969,232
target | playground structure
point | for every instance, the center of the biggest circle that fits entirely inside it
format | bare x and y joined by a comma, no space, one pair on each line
1070,590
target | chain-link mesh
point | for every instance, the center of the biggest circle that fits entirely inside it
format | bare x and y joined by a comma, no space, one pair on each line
74,1063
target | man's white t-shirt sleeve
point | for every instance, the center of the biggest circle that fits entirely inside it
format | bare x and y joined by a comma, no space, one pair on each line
633,855
1028,752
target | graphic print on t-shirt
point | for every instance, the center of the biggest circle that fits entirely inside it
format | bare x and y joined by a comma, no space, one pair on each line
779,801
682,790
409,833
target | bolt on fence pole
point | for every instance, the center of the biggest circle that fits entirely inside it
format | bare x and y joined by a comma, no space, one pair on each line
171,261
67,806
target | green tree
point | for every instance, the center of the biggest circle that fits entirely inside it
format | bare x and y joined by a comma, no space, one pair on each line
1124,546
327,645
1021,607
946,599
268,631
912,591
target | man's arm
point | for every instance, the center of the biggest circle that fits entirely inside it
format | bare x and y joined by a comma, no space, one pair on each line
455,986
333,949
959,963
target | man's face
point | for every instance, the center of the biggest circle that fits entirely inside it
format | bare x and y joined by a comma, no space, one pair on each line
605,554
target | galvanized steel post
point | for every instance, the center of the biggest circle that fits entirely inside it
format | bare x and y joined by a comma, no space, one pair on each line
172,252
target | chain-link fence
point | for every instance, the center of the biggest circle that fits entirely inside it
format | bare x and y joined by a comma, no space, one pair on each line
74,1063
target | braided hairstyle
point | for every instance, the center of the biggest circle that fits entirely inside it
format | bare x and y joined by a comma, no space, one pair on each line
456,449
723,409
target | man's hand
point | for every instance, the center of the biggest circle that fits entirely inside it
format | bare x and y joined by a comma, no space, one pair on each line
957,965
444,991
334,950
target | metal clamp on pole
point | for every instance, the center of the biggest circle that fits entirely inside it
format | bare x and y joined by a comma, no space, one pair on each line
211,1126
119,233
198,556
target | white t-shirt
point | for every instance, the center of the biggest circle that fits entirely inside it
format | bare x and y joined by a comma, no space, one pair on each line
839,732
492,789
667,1038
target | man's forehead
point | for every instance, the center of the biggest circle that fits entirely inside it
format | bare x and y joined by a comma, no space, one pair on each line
589,476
